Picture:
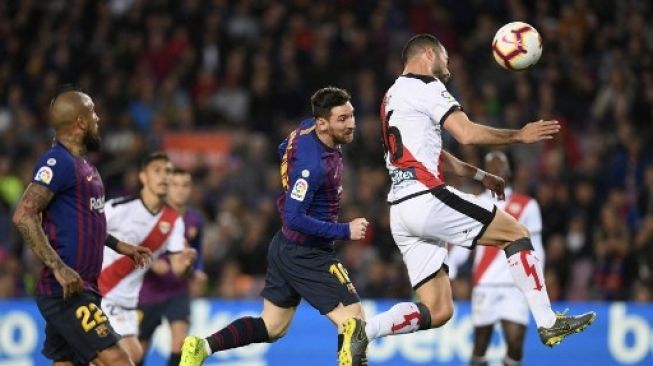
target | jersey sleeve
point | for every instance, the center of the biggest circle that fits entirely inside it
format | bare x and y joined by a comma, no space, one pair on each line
305,178
176,241
54,171
437,102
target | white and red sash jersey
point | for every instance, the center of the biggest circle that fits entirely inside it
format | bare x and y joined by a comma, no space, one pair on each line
412,113
490,263
128,220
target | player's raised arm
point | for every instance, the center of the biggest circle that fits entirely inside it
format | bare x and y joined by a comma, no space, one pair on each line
27,219
467,132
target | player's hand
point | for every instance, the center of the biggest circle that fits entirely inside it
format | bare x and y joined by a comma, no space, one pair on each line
69,280
496,185
160,266
188,257
140,255
538,131
357,228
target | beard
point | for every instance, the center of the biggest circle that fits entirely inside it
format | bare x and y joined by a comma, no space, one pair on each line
92,141
344,139
442,75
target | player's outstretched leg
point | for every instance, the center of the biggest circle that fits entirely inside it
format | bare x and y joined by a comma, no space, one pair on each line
240,333
529,277
353,348
401,318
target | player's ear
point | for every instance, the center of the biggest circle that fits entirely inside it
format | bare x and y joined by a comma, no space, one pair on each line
81,123
142,177
428,53
321,124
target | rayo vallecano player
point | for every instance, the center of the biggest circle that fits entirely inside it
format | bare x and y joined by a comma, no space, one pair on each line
425,212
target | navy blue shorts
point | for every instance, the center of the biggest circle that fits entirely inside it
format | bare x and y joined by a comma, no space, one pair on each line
76,329
315,274
176,308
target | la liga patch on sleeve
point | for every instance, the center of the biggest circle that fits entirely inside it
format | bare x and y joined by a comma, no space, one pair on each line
299,190
44,174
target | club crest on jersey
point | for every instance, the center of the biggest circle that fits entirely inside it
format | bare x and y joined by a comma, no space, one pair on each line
102,330
299,190
44,174
164,227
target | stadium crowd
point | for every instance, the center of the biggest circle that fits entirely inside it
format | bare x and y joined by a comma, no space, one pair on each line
248,68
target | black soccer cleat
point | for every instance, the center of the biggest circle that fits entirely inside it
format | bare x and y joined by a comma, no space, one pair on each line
565,326
354,344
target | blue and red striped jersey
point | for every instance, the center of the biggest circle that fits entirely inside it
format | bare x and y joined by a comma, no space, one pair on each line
311,175
74,221
157,289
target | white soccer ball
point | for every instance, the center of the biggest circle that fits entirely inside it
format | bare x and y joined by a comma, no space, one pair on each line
517,46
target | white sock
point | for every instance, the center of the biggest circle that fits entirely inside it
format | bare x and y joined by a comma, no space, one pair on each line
479,361
507,361
207,347
401,318
526,270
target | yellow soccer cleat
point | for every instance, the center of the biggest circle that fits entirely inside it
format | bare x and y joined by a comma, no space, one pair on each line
193,352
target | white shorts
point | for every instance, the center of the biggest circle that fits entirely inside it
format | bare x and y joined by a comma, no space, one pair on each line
124,321
423,225
493,303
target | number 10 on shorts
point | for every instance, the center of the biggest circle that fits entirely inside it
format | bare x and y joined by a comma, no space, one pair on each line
339,271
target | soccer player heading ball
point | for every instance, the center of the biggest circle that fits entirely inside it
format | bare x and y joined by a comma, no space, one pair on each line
426,213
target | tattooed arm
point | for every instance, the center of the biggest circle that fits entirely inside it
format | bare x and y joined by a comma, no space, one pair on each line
27,219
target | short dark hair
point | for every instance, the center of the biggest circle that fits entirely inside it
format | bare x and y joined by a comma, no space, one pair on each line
326,98
416,44
180,171
154,156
